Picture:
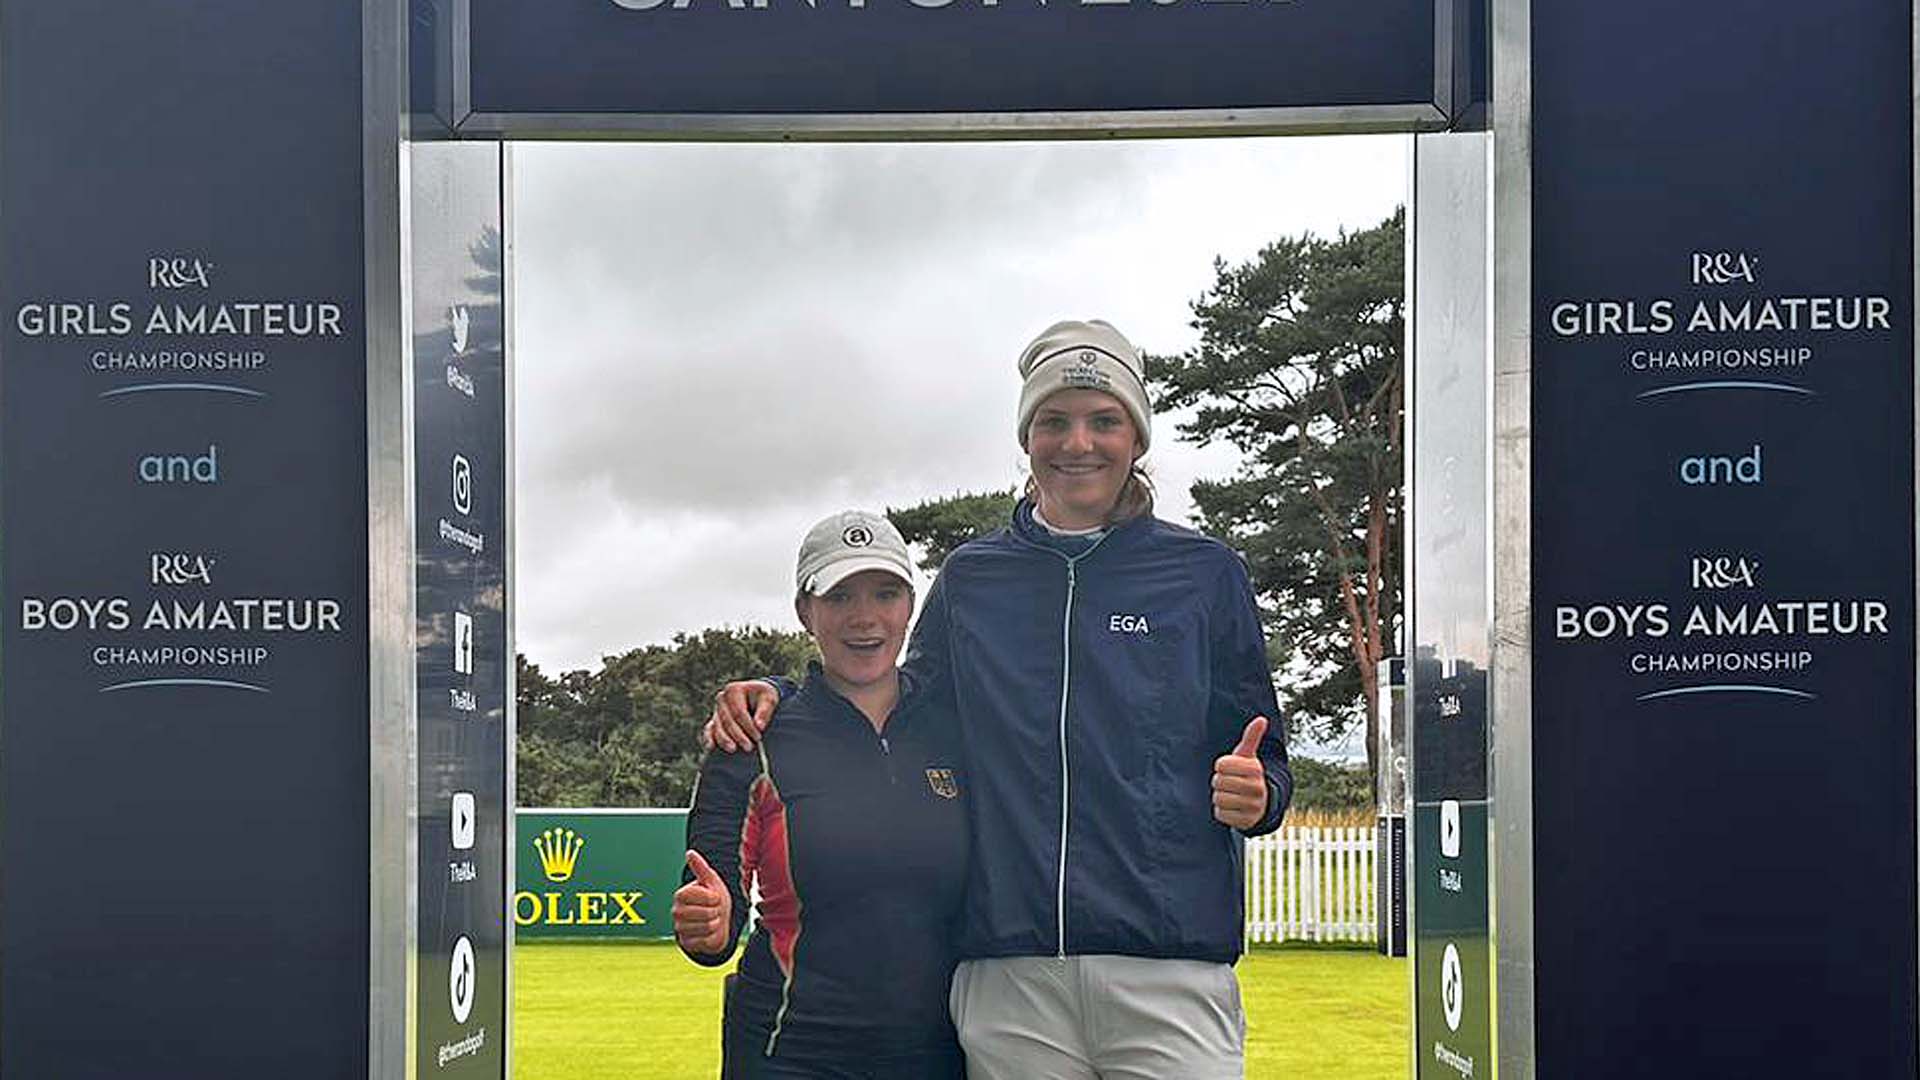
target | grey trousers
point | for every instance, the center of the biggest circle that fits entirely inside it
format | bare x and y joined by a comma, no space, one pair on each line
1099,1018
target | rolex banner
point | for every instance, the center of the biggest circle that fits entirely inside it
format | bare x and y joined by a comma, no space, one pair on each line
597,873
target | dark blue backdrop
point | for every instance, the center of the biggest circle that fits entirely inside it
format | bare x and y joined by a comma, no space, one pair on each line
887,56
185,887
1724,877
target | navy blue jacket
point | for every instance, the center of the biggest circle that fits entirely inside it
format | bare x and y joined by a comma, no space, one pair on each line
858,842
1094,688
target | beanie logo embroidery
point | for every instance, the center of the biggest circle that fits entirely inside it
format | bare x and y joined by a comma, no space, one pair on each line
1085,371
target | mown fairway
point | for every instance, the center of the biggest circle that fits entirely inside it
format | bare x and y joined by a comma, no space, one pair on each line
623,1012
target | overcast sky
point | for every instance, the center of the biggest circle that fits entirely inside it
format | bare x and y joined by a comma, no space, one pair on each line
718,345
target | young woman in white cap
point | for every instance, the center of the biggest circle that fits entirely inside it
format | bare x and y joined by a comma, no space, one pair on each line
850,820
1109,676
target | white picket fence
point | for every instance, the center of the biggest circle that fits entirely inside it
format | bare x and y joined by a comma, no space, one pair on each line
1311,884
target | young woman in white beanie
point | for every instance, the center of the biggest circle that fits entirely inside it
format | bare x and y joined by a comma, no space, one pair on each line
1109,677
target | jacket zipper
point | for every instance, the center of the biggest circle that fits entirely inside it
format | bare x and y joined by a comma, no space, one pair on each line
1066,680
1066,673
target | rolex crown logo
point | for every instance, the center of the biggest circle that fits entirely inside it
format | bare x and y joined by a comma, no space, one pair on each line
559,849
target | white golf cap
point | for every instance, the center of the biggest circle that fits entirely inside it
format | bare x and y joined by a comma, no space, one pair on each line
843,544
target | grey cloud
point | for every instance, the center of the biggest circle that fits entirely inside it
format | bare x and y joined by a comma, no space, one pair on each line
725,213
716,345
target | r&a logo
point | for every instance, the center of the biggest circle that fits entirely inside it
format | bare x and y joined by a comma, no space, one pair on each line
179,568
1724,572
1722,267
170,272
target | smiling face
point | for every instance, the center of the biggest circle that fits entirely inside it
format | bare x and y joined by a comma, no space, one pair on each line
859,626
1081,446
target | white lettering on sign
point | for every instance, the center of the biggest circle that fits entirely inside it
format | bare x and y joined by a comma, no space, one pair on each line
1723,267
179,568
1612,318
1453,1059
174,272
1779,618
1722,469
1724,572
268,318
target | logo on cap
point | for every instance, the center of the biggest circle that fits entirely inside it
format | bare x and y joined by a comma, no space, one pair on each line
856,536
1084,371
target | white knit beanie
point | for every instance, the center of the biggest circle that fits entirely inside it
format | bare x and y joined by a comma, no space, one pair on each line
1092,355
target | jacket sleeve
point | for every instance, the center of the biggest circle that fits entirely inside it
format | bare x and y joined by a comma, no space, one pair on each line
1241,687
719,828
929,660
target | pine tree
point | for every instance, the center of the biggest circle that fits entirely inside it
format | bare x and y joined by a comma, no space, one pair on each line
1299,366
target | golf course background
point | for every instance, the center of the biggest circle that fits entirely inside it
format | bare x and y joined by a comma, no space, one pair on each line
624,1011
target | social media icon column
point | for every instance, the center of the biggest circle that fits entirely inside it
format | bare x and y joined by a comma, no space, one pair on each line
462,643
463,817
462,484
461,975
1453,988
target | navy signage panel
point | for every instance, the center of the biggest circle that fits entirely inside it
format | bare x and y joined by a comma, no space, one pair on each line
1723,539
665,57
183,541
462,659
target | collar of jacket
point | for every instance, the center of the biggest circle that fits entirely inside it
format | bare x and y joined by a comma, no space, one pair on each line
1032,532
817,687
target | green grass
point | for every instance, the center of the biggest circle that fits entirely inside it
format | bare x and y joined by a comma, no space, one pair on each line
1323,1013
617,1012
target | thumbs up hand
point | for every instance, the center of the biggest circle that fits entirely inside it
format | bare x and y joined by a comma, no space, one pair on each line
702,910
1239,780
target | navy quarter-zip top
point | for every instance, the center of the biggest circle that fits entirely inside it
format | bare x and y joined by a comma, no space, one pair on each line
858,842
1095,682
